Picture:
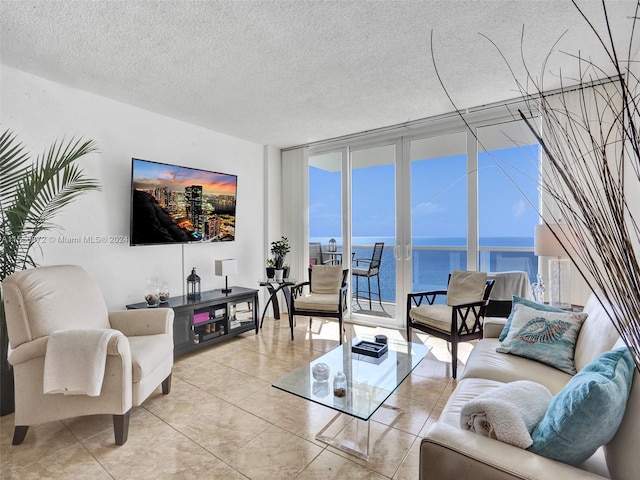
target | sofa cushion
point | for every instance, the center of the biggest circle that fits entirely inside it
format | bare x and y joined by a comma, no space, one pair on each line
484,362
529,303
597,335
548,337
587,412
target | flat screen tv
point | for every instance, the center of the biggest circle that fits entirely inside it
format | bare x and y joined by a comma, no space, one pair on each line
174,204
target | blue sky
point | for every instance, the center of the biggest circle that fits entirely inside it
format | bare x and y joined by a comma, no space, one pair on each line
438,197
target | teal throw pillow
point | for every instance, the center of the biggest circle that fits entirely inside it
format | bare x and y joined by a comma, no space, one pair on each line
529,303
548,337
588,410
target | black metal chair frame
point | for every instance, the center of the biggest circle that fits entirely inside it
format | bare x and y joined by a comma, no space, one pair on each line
461,313
332,261
298,290
374,262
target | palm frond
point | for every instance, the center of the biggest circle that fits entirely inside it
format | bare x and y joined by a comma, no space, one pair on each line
35,193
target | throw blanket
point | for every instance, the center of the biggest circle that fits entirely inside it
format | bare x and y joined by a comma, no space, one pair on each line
75,360
508,413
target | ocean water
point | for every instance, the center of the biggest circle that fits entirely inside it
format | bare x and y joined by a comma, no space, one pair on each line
431,268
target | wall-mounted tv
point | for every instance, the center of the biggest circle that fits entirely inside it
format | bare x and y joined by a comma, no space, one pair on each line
174,204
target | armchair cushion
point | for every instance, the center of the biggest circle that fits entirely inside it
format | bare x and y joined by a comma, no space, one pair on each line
466,286
587,412
434,316
318,302
548,338
326,279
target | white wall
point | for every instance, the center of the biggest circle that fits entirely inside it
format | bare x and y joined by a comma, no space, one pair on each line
40,112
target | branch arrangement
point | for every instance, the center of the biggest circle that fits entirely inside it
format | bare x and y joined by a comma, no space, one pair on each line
590,136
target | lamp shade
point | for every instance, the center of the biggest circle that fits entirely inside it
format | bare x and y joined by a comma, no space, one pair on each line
228,266
546,244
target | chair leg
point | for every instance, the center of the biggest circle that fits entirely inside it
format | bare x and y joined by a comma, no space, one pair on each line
19,432
121,427
454,359
379,295
166,385
291,320
369,292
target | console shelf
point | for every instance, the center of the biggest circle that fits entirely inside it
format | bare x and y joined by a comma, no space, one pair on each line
212,318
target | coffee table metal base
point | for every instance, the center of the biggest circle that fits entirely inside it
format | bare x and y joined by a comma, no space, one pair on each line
343,436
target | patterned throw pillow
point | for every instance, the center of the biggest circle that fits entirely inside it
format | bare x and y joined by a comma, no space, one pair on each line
548,337
529,303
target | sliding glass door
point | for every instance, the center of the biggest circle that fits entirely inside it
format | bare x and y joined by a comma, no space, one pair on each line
508,198
433,202
325,208
439,210
373,232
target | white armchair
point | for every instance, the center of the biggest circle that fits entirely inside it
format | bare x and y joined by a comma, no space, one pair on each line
139,356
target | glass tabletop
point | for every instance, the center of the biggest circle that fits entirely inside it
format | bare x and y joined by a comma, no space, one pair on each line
273,281
370,380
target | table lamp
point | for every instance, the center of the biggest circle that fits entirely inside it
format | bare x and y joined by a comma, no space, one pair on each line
228,266
546,244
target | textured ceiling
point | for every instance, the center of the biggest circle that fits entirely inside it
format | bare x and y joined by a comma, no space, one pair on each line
285,73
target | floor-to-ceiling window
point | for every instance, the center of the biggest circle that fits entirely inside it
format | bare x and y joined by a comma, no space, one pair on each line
458,197
508,198
373,221
438,209
325,203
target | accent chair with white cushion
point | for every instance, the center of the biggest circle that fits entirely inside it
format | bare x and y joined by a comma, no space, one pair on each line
324,295
460,319
63,340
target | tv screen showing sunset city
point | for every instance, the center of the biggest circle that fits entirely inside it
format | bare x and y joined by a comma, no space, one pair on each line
172,204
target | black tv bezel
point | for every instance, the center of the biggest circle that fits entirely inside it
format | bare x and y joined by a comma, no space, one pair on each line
131,193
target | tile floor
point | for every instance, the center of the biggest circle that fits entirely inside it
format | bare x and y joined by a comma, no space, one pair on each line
223,419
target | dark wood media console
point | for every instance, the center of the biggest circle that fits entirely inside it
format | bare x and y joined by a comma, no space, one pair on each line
212,318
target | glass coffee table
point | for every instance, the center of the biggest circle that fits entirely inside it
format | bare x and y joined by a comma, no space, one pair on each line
370,381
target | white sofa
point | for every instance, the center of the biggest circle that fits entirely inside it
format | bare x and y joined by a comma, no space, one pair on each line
448,451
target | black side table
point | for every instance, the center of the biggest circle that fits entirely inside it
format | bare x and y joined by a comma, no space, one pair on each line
274,287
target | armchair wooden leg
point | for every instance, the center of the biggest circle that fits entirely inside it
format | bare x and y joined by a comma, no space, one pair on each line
121,427
454,359
166,385
19,433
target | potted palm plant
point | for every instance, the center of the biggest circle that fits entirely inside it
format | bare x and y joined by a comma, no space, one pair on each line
32,192
279,250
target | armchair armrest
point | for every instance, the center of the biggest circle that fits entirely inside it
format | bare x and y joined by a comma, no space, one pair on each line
493,326
134,323
468,305
450,452
297,289
363,260
38,348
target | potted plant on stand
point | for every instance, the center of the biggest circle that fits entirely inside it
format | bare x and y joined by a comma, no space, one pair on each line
279,250
271,268
32,192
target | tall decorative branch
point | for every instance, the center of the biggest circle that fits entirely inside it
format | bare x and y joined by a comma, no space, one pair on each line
590,135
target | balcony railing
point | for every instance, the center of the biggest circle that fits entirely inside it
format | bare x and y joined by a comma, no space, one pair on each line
431,265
